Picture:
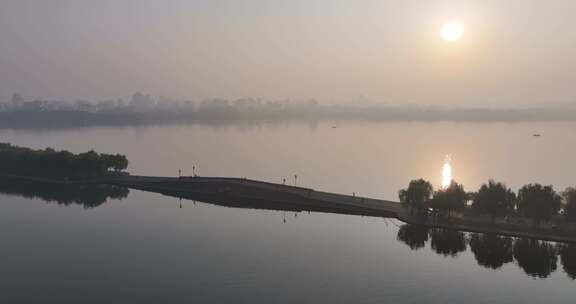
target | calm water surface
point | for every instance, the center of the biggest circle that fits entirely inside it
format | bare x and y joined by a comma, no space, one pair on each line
144,248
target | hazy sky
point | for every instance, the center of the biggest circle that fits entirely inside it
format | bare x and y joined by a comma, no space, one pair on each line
513,52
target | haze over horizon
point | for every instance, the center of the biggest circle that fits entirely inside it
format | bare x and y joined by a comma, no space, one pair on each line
512,53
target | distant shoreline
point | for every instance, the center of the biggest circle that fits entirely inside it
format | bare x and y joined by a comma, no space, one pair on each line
70,119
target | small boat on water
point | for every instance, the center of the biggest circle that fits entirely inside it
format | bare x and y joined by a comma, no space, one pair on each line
536,135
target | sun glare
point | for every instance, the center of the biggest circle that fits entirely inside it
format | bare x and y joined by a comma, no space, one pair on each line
452,31
447,172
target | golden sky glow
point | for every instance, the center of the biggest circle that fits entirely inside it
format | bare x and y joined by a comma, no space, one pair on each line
472,53
452,31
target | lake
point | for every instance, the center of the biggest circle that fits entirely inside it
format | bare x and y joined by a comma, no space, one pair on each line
147,248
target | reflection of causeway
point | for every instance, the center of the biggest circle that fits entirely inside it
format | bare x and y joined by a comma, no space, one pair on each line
89,196
536,258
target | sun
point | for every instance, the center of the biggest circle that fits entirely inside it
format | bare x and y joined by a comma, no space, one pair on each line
447,172
452,31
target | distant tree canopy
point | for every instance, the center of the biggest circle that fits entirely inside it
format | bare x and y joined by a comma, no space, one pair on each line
417,195
17,99
49,163
538,202
570,201
494,199
453,198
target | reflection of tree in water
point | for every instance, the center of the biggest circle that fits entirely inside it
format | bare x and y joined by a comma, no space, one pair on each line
491,250
448,242
415,236
568,256
89,196
536,258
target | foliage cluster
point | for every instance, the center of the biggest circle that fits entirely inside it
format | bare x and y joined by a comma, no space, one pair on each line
535,201
49,163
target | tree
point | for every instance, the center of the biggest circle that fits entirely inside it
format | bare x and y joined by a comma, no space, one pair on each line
453,198
538,202
417,195
568,255
570,203
494,199
117,162
536,258
491,250
49,163
415,236
17,99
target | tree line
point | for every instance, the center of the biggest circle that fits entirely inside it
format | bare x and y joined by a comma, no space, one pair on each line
64,165
534,201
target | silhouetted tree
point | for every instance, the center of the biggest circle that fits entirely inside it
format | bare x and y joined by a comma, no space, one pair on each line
538,202
116,162
491,250
417,195
448,242
494,199
17,99
568,256
570,203
536,258
415,236
49,163
451,199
